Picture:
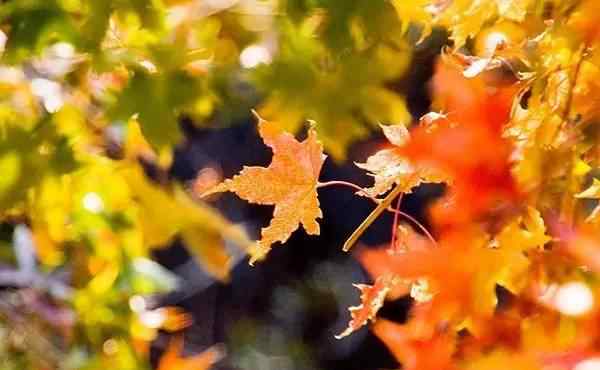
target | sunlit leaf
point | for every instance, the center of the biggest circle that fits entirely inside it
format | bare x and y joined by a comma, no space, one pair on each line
372,298
289,183
389,167
172,358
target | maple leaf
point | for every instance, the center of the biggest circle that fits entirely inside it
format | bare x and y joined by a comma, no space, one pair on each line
389,167
389,283
415,351
587,88
172,360
515,10
372,298
592,192
460,273
169,213
418,11
585,21
512,242
467,145
467,18
289,183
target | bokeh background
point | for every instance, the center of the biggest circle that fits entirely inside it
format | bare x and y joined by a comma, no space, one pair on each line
115,115
283,313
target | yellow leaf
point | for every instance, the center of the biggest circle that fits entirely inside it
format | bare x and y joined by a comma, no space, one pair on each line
166,214
289,183
467,18
515,10
414,12
10,165
587,85
383,105
512,242
592,192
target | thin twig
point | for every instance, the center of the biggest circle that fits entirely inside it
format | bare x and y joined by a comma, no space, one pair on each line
395,223
372,217
378,202
344,183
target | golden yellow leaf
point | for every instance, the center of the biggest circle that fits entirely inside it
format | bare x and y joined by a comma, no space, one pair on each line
592,192
523,234
515,10
167,214
289,183
414,12
587,86
471,21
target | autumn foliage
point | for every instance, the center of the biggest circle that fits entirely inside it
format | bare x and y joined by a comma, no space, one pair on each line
509,137
504,273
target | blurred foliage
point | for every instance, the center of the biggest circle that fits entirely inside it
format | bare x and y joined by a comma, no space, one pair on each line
91,94
506,273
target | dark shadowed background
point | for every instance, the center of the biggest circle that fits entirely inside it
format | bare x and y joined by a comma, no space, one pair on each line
283,313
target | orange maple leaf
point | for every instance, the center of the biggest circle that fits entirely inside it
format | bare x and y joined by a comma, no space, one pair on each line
467,145
414,351
460,271
372,298
172,360
289,183
389,284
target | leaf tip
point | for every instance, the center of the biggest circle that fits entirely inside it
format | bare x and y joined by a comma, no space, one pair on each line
258,117
258,252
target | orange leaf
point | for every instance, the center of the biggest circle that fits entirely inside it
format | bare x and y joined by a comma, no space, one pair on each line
389,167
585,21
172,360
175,319
467,145
289,183
372,298
461,273
413,351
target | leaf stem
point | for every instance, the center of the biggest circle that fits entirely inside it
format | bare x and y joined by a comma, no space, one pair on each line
344,183
395,223
385,203
378,202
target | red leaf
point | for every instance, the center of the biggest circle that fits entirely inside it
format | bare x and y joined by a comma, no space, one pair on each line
467,145
413,351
